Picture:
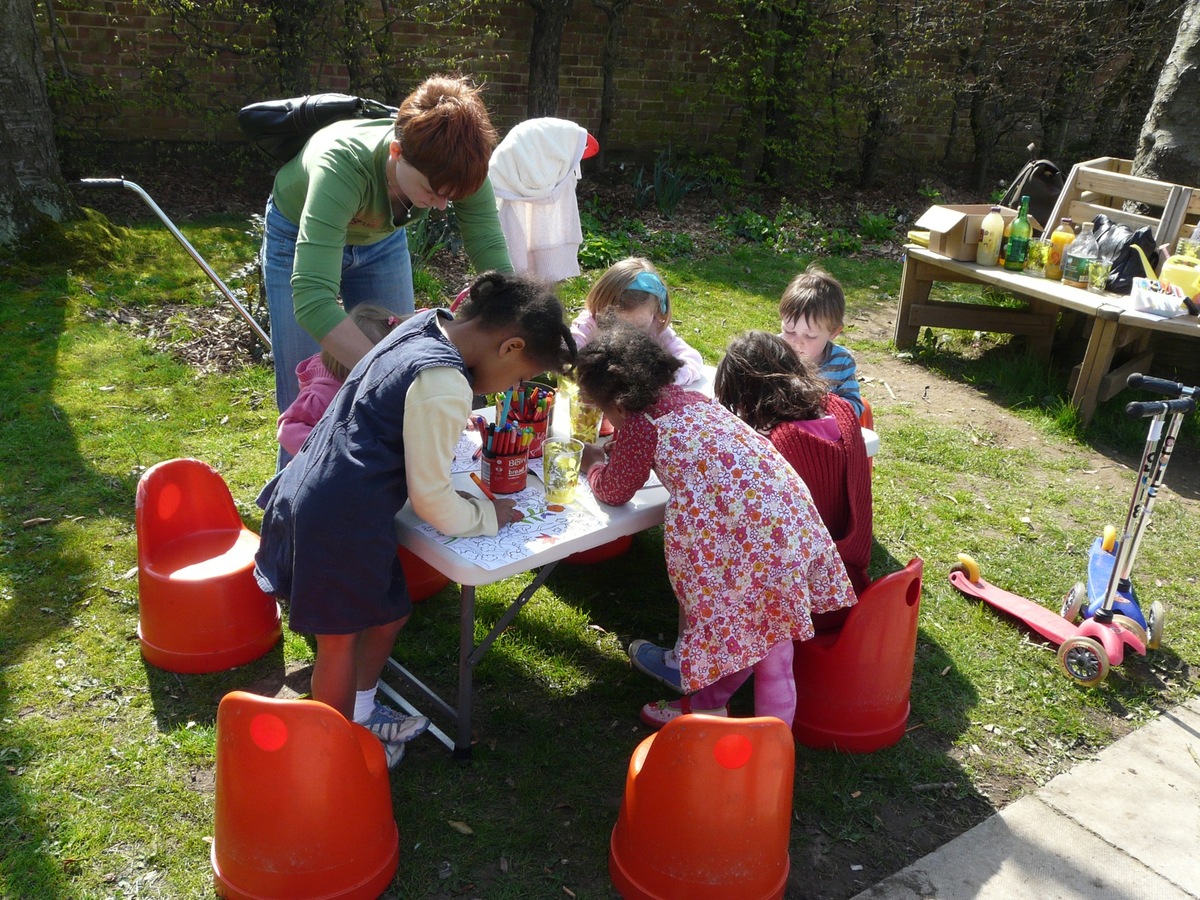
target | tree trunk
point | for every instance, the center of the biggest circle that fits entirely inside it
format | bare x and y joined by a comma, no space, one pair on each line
550,16
614,11
31,182
1169,146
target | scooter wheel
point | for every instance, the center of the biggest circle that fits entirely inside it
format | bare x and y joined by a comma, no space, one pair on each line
1132,625
1073,601
1154,625
1084,660
967,565
1109,540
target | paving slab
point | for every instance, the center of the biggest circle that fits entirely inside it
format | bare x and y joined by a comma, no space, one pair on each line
1123,825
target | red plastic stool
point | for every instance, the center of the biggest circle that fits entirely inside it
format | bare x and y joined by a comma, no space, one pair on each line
603,552
199,607
303,805
707,812
853,684
423,580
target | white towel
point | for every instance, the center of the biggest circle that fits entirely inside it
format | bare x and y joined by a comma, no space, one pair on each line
534,171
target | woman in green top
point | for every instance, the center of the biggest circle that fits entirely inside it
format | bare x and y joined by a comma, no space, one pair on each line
337,213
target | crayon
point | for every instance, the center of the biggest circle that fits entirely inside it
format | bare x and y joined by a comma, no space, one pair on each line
483,487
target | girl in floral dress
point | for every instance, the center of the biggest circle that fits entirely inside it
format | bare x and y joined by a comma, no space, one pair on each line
747,554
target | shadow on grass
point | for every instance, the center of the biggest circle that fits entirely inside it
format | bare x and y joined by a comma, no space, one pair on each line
574,725
45,481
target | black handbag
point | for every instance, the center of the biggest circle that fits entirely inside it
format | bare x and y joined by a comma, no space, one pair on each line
1117,243
280,128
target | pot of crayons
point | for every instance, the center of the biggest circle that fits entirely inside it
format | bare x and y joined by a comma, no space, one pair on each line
530,407
505,465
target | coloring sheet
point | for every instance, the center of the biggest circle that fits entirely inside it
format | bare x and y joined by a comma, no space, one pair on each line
468,442
542,526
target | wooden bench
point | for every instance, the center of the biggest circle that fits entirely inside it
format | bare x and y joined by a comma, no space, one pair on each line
1097,186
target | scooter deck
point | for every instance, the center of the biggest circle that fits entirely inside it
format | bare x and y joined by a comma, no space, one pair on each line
1045,622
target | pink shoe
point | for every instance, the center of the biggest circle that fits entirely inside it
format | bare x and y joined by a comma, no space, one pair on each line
659,713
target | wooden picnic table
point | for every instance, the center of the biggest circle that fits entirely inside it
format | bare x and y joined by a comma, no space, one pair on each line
1037,321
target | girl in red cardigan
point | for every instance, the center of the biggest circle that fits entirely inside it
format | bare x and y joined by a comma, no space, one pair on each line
779,393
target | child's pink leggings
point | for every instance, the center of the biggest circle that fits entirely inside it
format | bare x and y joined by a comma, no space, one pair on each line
774,686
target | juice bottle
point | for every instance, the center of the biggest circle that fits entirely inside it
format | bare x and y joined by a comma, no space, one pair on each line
1004,241
991,233
1018,240
1060,239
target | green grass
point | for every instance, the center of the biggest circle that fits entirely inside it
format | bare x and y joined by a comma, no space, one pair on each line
106,788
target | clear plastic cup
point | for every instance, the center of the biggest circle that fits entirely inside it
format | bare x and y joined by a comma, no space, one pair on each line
561,461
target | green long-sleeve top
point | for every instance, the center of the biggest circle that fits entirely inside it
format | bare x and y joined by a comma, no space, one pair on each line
336,191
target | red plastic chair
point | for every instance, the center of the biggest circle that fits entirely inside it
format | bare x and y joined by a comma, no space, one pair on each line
303,803
199,607
602,553
867,420
853,684
707,812
423,580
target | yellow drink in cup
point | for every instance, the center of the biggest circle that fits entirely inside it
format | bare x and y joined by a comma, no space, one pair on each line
560,469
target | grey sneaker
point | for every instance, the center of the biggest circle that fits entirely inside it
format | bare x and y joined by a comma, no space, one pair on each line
393,753
394,727
657,662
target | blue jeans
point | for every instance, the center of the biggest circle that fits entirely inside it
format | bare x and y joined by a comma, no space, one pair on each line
379,273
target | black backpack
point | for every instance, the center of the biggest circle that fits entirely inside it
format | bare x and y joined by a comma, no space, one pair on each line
1043,182
280,128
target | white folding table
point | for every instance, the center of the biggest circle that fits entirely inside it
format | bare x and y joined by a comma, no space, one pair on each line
644,511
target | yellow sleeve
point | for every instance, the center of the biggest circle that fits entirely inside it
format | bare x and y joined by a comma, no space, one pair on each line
435,412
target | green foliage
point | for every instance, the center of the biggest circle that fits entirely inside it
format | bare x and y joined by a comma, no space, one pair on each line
670,185
876,226
929,191
601,248
791,230
425,239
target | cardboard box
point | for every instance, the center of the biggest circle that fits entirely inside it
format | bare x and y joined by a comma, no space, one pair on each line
954,230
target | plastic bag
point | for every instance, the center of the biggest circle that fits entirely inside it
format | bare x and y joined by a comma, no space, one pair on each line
1120,244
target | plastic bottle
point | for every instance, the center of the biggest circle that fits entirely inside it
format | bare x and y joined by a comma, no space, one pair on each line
991,233
1018,241
1078,256
1060,239
1004,241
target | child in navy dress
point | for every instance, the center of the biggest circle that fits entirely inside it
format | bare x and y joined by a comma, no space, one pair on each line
328,545
747,554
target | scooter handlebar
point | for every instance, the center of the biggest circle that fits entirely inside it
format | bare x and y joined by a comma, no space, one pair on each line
1141,409
1160,385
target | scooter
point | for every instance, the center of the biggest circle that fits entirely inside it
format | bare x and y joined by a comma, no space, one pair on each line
1113,620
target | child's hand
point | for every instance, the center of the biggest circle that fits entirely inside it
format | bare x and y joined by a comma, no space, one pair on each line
592,454
507,512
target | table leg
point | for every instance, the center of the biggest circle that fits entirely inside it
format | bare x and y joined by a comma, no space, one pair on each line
466,672
1097,359
913,290
469,655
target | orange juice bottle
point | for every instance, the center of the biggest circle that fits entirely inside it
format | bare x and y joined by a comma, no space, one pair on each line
1059,240
1004,243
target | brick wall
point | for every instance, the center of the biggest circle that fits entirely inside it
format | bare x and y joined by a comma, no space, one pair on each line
664,93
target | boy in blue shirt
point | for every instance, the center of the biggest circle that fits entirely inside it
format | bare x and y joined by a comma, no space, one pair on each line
812,311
